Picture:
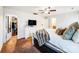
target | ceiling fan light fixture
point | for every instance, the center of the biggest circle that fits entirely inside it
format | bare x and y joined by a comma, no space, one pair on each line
48,12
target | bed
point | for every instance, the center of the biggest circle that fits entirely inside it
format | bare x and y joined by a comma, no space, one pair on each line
57,45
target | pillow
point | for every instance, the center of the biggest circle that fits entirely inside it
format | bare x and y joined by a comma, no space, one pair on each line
60,31
69,33
75,24
75,37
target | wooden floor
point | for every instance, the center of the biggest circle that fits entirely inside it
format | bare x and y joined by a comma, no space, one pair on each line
19,46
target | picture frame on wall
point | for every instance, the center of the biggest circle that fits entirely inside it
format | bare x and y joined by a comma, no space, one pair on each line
8,26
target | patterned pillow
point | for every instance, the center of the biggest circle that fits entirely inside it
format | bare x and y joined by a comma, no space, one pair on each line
75,37
69,33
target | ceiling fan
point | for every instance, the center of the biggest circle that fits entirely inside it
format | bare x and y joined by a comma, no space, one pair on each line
47,10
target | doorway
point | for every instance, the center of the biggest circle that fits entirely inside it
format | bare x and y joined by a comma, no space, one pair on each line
14,26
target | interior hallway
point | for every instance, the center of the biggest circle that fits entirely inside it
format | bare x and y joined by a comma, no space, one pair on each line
19,46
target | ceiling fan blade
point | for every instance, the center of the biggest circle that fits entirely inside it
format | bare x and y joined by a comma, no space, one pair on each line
52,10
35,13
41,10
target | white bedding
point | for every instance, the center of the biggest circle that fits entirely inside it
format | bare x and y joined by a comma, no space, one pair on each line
65,45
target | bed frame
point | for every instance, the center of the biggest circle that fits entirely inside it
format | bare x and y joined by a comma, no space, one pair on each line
44,48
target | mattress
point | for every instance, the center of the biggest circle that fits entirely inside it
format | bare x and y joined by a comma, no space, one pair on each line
61,44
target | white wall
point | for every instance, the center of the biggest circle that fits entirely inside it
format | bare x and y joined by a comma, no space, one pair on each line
23,20
1,27
6,34
3,30
64,20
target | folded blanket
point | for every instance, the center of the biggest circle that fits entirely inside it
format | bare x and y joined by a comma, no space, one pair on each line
42,36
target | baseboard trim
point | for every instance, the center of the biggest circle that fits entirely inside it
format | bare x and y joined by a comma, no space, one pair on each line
22,38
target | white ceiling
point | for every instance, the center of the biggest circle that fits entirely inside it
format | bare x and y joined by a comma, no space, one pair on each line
32,9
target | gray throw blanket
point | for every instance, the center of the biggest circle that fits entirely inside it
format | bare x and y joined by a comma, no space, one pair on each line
42,36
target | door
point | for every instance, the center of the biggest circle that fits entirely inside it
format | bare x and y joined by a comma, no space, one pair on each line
14,26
